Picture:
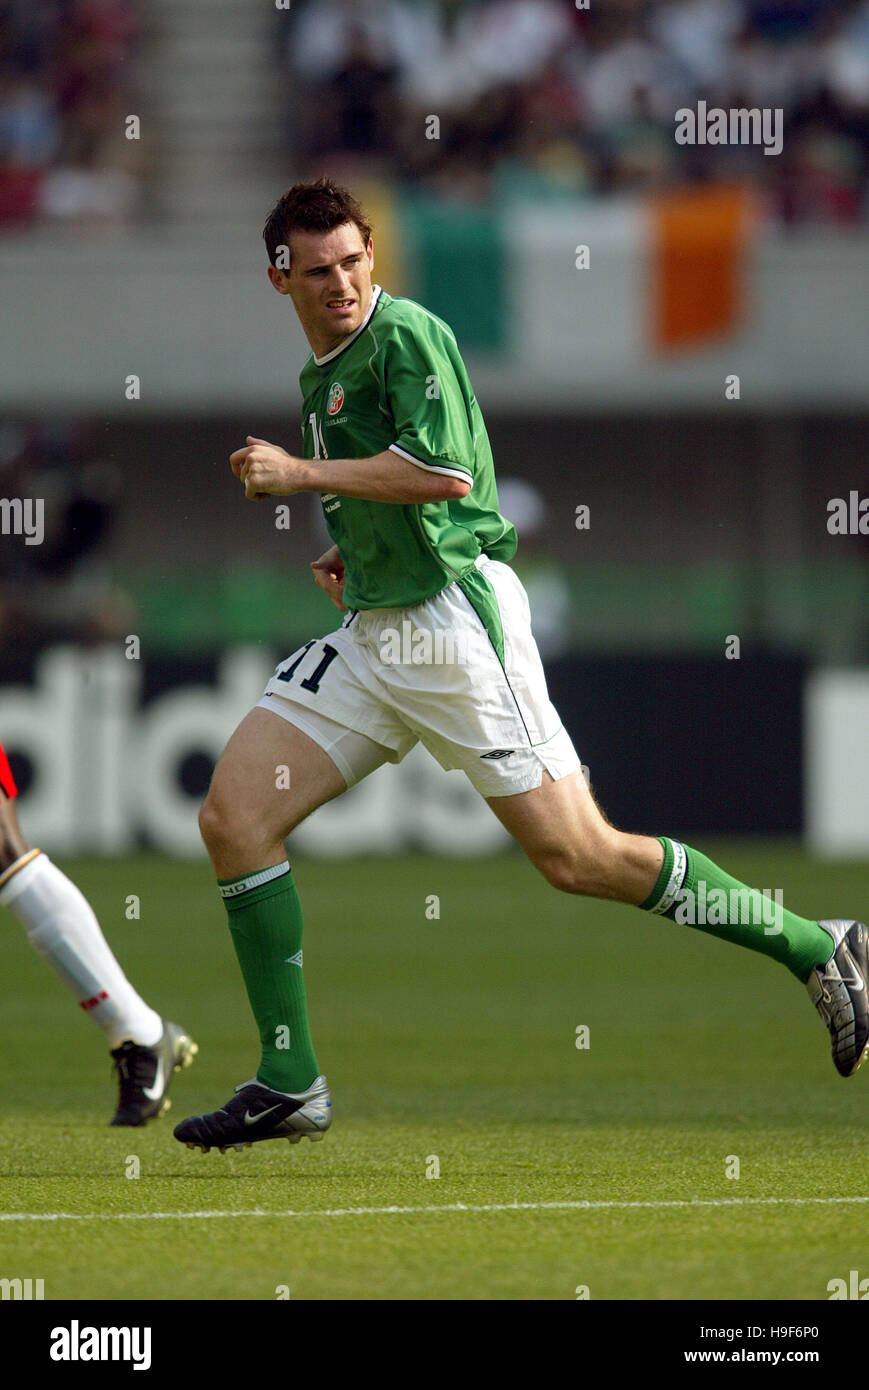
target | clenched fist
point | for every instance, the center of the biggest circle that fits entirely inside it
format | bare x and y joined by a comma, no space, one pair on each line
267,470
329,574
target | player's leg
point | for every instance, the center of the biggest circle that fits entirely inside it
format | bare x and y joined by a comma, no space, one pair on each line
271,776
62,927
517,755
565,835
13,846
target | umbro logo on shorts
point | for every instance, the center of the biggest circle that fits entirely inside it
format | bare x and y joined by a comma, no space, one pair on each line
499,753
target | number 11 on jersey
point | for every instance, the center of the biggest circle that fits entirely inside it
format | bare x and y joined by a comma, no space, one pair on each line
319,442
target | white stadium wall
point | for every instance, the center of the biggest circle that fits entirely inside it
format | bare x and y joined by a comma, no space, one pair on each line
837,761
197,322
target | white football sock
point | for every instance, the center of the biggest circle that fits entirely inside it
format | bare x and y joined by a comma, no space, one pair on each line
62,927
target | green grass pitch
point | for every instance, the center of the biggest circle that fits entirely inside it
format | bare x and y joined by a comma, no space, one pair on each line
451,1039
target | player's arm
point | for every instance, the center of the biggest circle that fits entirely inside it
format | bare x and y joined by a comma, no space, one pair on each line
269,471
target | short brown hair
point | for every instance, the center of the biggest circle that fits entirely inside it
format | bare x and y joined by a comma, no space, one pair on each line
312,207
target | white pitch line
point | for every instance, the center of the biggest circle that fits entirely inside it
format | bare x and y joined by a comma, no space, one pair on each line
425,1211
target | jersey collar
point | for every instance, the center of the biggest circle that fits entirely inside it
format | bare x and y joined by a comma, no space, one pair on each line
342,347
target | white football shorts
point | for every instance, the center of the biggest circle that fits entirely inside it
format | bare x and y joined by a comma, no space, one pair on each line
391,677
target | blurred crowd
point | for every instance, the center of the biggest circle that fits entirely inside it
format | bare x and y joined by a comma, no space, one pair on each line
467,99
64,96
544,99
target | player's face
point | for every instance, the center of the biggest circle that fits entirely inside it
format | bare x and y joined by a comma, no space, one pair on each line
329,282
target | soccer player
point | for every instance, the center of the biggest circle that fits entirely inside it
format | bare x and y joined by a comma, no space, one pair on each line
62,927
395,444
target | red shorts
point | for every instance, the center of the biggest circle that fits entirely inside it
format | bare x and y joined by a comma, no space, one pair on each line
7,782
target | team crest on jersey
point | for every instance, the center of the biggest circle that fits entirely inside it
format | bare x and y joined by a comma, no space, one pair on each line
336,398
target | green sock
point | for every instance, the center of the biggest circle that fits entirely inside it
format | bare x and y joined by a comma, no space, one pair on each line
692,890
265,919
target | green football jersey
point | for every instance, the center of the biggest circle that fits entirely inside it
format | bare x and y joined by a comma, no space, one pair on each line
399,383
